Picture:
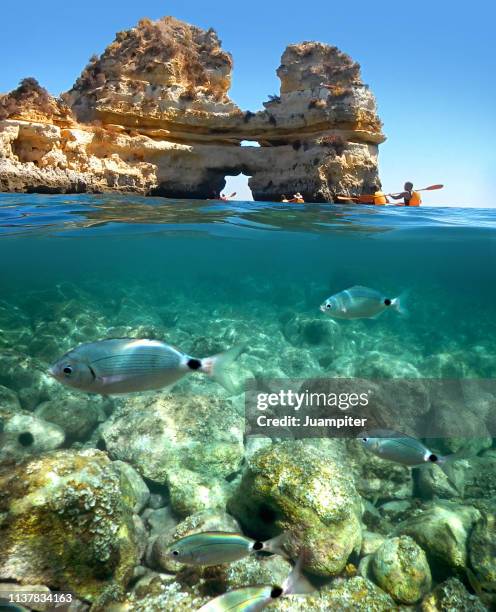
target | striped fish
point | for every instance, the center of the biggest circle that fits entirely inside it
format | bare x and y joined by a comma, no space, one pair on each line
360,303
216,547
255,598
127,365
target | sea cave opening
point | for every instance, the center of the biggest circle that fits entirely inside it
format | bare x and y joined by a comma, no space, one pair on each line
237,188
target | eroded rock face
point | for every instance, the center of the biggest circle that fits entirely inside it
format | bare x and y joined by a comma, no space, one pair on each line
152,115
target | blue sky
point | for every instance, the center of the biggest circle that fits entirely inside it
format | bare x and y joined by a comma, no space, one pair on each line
431,65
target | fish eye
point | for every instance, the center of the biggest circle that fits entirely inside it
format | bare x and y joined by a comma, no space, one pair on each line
276,592
328,305
433,458
175,553
365,439
67,370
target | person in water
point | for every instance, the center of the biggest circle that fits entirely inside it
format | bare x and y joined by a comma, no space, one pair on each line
410,197
297,198
225,198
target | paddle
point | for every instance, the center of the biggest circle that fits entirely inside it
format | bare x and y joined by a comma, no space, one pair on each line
347,198
430,188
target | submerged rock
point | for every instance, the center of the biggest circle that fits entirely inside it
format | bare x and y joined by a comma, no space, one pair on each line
376,478
310,330
482,549
190,443
78,417
161,592
23,434
135,490
370,543
26,376
9,400
64,523
400,568
442,529
306,491
451,596
160,521
353,595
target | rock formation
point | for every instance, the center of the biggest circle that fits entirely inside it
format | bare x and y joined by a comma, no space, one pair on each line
152,115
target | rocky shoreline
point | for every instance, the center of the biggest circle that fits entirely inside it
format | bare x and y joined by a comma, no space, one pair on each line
152,116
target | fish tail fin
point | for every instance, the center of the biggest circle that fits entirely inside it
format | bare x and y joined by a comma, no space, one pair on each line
398,304
216,367
296,583
276,545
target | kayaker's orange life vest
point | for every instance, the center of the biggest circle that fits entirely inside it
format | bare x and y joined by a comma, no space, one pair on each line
379,198
415,200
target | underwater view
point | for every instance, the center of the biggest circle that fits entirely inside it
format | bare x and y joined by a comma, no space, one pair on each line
129,480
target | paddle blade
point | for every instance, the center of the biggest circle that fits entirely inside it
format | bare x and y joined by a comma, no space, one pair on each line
431,188
346,198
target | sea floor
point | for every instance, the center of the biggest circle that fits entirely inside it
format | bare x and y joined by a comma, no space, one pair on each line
95,489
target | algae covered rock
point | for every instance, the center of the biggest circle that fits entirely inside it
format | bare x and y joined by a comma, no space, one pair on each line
442,529
370,543
451,596
64,523
305,490
356,594
157,592
191,492
134,487
482,549
190,443
400,568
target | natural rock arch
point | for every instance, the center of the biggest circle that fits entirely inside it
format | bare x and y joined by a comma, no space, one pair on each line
152,115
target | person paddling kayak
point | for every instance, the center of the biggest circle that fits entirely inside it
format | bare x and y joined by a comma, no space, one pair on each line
410,197
379,198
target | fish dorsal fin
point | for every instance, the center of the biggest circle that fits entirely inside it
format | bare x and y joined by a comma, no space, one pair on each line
359,288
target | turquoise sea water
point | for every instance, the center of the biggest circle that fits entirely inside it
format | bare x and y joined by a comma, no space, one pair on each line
204,276
258,265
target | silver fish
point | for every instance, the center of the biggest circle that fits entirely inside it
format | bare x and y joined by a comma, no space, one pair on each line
400,448
360,303
126,365
216,547
255,598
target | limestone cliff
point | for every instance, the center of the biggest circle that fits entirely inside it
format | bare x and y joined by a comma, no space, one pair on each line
152,115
